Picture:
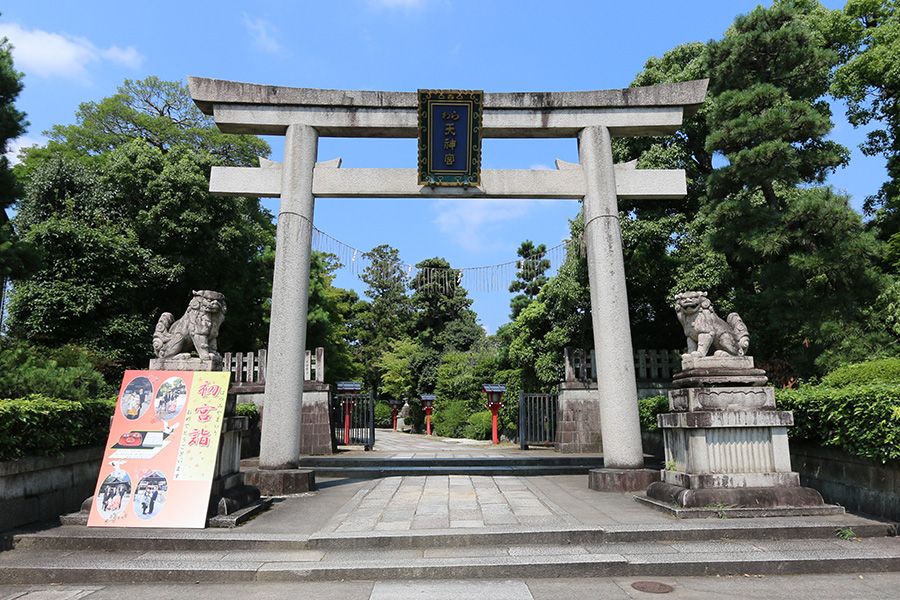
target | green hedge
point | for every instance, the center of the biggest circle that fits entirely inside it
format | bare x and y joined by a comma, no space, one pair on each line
41,426
648,408
886,370
862,420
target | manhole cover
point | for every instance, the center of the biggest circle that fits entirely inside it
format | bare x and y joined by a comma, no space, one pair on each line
652,587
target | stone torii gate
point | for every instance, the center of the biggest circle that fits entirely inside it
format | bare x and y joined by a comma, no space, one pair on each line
303,115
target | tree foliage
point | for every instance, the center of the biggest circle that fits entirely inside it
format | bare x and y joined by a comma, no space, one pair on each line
327,318
768,75
530,277
17,258
869,82
386,317
129,229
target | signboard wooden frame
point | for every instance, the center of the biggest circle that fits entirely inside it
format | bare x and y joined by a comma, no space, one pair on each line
450,137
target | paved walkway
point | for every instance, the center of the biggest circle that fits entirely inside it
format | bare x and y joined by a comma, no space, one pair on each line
454,501
523,538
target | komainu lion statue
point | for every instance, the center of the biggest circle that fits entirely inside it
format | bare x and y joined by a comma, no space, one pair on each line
705,329
198,328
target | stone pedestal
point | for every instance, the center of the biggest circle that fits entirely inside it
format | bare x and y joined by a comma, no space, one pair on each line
186,364
578,418
726,444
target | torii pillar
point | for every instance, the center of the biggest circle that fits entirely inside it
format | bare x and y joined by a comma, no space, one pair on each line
593,117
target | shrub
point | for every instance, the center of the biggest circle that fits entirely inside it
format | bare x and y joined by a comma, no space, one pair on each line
248,410
479,426
886,370
862,420
451,420
41,426
384,416
64,373
648,408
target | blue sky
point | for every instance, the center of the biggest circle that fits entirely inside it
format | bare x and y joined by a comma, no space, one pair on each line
73,52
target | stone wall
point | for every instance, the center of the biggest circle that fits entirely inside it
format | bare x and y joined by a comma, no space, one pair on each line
856,484
42,488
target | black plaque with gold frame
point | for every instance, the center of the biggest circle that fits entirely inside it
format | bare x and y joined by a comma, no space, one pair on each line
450,137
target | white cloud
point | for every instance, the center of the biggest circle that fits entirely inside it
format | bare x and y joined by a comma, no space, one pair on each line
262,32
471,222
13,147
59,54
541,167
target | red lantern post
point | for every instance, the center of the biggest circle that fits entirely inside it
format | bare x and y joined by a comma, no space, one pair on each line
395,408
428,405
494,393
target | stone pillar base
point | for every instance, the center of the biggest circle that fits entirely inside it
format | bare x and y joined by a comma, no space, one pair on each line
281,482
621,480
745,497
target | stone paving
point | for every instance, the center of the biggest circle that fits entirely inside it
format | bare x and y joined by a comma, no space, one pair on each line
453,501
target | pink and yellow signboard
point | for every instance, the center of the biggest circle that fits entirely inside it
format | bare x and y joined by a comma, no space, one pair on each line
161,454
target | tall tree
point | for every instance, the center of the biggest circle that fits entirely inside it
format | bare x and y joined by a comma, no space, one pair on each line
17,258
153,198
386,317
800,261
869,81
444,320
530,277
768,75
328,314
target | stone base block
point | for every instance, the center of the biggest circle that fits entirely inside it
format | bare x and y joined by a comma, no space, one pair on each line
186,364
233,499
747,497
723,398
697,481
621,480
281,482
723,512
716,362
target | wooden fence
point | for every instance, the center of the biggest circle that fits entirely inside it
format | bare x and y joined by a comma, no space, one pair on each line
249,370
649,365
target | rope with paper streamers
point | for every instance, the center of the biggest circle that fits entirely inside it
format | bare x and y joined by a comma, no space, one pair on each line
491,278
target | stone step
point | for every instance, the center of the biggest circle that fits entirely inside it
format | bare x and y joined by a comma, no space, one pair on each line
625,559
315,462
375,472
78,538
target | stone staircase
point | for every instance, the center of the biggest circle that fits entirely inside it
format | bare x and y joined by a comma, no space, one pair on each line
67,555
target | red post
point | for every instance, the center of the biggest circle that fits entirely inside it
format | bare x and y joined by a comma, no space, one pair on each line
494,408
348,406
395,409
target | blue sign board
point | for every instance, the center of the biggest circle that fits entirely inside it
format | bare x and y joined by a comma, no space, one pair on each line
450,137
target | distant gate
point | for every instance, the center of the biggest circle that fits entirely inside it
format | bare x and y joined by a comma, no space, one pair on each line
537,419
353,418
